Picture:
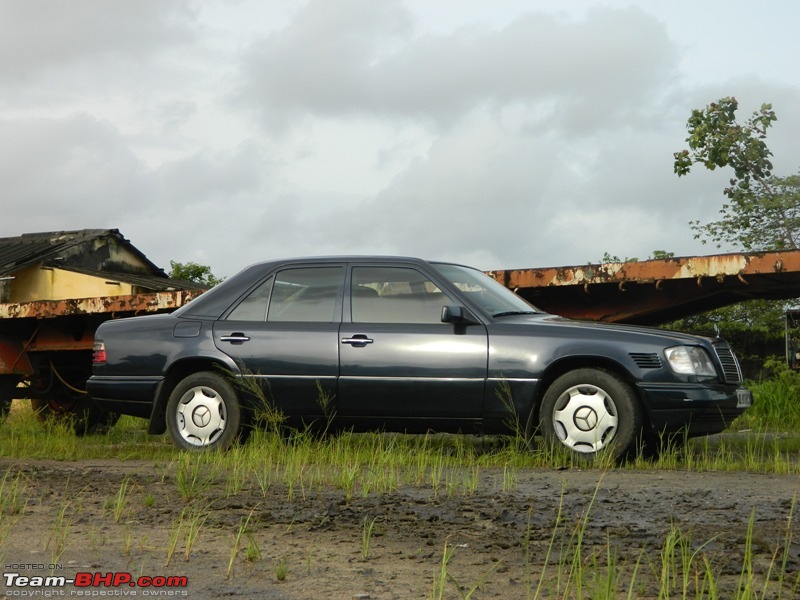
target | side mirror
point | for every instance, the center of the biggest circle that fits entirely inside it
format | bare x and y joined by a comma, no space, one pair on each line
457,315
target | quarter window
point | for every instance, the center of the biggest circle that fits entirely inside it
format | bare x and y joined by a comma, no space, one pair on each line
254,305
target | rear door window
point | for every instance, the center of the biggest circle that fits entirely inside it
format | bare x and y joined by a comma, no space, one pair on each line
306,295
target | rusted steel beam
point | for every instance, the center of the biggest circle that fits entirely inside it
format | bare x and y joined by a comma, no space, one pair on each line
13,359
652,271
51,339
114,305
656,291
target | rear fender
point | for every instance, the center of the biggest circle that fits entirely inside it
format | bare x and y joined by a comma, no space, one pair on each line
179,371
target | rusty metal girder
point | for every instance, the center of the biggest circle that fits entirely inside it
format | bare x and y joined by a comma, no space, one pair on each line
657,291
113,305
69,325
13,359
51,339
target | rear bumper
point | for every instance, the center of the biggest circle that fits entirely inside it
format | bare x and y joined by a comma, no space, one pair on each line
125,395
697,409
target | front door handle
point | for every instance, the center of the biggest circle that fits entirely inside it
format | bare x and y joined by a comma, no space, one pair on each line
357,341
235,338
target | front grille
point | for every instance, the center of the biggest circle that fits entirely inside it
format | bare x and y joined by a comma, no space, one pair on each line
730,366
644,360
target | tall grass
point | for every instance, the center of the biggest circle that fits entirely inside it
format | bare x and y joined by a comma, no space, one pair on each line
375,464
23,436
776,406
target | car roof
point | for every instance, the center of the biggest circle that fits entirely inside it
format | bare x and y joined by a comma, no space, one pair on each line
211,303
340,258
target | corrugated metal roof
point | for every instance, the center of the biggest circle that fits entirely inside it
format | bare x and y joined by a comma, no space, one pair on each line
17,253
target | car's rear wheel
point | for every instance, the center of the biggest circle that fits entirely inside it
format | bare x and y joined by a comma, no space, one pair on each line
204,412
591,411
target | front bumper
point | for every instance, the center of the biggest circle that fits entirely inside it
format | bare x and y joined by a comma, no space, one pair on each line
697,409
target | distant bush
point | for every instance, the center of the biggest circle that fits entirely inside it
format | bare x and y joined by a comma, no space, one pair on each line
776,400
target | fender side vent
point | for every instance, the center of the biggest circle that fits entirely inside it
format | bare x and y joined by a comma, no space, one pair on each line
646,360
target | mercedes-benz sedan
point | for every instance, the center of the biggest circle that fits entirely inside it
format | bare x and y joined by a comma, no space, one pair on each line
401,344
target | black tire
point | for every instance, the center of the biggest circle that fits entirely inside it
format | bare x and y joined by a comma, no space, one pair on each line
204,412
85,417
591,411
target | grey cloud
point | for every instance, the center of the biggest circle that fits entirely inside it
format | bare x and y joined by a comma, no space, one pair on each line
510,200
37,36
477,189
540,142
79,172
324,55
593,69
66,173
216,178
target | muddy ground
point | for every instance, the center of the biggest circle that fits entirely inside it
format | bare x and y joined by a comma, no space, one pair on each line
501,535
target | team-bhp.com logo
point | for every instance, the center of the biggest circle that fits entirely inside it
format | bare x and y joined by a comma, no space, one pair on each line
93,584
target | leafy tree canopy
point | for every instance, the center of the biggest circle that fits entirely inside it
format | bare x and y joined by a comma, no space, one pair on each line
755,328
765,216
716,139
191,271
763,210
752,318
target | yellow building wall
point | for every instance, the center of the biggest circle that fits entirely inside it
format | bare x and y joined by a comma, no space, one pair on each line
36,283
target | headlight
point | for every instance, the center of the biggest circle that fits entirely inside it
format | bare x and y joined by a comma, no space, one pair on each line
690,360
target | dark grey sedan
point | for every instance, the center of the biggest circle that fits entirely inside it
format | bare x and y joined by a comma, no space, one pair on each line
401,344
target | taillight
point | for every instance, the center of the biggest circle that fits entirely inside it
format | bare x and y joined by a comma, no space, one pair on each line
99,353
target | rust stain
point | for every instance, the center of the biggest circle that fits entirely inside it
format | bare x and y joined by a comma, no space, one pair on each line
13,360
655,291
135,304
651,271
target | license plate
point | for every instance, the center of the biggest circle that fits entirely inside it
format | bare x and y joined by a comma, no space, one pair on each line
744,399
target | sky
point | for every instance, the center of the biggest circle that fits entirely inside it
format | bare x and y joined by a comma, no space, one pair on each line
503,134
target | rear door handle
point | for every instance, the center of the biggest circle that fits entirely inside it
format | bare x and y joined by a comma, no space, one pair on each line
235,338
357,341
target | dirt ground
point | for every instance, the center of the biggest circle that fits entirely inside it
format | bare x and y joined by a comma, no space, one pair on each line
500,535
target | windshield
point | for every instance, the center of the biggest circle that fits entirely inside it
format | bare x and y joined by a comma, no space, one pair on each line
485,292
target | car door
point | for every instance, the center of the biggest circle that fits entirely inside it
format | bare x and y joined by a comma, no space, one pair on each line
398,360
284,335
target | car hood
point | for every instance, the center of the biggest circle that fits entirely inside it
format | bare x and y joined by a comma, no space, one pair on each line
612,329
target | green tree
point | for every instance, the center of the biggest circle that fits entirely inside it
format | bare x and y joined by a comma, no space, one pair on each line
755,328
763,211
765,216
191,271
716,139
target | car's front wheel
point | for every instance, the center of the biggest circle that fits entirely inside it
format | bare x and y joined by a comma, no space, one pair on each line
591,410
204,412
